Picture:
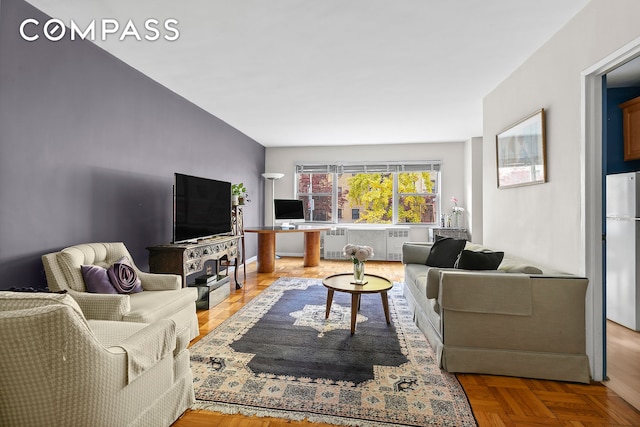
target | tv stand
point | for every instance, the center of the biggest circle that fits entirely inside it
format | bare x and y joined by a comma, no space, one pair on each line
188,259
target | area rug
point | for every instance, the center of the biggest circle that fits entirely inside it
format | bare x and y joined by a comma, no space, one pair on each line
279,357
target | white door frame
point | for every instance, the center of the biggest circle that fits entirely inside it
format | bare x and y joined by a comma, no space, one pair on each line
592,200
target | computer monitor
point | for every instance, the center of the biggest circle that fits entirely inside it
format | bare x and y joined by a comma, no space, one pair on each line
288,211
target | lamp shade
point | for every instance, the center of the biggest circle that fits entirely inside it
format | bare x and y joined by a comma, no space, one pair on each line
272,175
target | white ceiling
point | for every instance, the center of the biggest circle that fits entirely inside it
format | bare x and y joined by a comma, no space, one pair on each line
333,72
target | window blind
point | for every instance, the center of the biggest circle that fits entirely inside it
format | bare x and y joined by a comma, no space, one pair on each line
386,167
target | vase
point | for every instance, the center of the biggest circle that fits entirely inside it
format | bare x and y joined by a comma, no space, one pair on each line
358,272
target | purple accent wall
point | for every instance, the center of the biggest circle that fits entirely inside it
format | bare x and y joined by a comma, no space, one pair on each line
88,149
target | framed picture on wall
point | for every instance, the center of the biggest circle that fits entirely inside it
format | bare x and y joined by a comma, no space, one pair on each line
521,152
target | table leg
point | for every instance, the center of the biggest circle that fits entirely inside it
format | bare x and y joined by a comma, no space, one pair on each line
329,301
311,248
235,274
355,302
385,305
266,252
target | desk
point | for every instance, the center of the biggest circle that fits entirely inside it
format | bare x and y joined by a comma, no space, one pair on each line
267,244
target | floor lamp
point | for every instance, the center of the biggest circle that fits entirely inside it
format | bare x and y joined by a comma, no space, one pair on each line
273,176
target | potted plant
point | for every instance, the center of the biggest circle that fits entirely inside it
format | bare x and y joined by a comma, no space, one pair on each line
239,193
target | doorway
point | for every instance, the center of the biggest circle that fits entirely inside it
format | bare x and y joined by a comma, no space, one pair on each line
622,341
592,196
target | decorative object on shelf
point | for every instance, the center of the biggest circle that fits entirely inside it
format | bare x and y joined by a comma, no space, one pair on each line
521,152
239,194
272,176
458,212
358,254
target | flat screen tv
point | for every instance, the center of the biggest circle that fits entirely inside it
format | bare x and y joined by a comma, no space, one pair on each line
201,208
288,210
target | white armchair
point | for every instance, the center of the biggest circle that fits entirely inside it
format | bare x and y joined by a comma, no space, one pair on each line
163,296
59,369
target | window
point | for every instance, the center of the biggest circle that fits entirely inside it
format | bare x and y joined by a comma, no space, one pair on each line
315,189
384,193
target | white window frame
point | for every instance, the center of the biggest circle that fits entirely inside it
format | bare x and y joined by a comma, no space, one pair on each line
368,167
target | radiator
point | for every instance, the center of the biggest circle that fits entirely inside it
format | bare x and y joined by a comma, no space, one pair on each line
386,242
395,238
376,238
333,242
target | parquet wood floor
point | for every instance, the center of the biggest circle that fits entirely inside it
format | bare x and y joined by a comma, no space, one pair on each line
623,362
496,401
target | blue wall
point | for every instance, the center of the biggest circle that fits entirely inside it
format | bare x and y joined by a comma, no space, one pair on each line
88,149
614,141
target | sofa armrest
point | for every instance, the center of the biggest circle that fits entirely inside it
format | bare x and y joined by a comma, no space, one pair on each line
415,252
102,306
148,346
485,292
159,282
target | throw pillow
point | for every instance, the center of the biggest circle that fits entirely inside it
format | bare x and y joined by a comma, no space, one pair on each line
123,277
444,252
97,280
485,260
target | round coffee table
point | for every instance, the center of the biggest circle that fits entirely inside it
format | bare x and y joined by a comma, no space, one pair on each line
342,283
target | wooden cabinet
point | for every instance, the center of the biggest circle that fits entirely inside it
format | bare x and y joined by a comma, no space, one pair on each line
188,260
631,128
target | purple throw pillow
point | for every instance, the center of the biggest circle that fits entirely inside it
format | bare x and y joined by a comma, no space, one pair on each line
97,280
123,277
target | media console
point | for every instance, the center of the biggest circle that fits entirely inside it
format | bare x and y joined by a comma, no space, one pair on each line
189,260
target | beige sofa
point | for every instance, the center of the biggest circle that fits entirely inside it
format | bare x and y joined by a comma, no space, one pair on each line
59,369
518,320
163,296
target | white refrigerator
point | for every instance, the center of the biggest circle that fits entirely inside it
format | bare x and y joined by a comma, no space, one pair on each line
623,249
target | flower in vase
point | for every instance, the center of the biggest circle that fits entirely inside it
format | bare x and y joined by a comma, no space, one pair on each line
357,253
457,210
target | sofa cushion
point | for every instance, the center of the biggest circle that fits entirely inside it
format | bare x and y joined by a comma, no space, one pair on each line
484,260
97,280
513,266
120,278
416,272
151,306
444,252
123,277
415,253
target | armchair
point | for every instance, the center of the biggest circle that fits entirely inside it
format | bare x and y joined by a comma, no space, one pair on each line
163,296
59,369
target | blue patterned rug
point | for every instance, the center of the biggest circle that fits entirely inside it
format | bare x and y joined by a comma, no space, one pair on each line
279,357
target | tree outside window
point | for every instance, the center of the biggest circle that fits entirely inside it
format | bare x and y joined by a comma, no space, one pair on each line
316,191
379,197
417,200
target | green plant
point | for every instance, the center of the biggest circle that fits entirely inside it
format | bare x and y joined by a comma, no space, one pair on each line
238,189
241,191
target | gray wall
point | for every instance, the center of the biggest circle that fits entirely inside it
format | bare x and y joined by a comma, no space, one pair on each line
88,148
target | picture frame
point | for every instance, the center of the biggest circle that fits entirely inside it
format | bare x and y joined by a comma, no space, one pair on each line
521,152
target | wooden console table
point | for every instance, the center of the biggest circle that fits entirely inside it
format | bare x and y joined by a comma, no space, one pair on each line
189,258
267,244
